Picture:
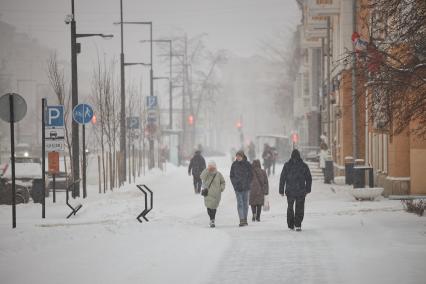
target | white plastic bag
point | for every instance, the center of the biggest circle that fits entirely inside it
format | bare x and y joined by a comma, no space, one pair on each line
266,203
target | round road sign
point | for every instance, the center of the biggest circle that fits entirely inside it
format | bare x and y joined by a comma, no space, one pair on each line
19,107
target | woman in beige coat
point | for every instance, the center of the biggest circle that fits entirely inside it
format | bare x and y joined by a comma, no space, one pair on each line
214,185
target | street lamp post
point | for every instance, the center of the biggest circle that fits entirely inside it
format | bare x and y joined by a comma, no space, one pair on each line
74,95
122,118
170,42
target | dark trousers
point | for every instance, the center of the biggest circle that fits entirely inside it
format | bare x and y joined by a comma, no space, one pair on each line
256,210
197,184
212,213
295,217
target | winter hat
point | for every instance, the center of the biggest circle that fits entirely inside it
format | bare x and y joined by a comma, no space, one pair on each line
295,155
212,164
240,153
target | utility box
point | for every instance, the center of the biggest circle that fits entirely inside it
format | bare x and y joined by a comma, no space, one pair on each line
359,176
329,170
349,166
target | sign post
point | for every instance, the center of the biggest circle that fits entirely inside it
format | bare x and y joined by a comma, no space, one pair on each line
83,114
43,156
53,166
53,139
13,108
152,105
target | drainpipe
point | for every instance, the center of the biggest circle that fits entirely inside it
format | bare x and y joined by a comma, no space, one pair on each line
354,102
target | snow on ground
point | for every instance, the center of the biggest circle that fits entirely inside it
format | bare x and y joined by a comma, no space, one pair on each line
343,240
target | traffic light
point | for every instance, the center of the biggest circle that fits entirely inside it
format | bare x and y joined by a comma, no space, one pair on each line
239,125
191,119
94,119
295,137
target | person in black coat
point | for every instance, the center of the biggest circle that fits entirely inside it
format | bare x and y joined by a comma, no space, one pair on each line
241,176
197,166
295,182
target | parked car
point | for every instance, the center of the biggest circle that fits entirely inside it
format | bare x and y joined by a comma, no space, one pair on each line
28,173
22,194
3,168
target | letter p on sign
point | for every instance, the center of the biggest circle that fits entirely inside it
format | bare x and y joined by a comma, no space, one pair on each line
55,116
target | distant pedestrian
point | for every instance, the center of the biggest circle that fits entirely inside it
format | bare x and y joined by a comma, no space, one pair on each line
241,177
274,158
258,189
196,167
251,151
295,182
213,186
267,156
323,154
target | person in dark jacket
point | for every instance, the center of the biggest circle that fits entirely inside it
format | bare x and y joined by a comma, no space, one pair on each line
241,177
295,182
258,189
196,167
267,156
251,151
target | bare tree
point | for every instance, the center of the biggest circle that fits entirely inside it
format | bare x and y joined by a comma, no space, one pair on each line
105,98
278,49
394,63
57,82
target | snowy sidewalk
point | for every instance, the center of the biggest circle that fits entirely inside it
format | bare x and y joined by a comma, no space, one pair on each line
343,241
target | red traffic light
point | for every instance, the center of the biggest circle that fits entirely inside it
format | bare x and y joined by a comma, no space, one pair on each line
191,120
94,119
295,137
239,125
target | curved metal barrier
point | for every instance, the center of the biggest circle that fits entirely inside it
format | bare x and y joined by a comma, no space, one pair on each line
145,190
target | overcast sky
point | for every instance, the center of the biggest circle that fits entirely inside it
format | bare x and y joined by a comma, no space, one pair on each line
236,25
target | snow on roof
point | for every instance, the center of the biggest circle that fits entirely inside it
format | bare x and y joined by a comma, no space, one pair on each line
24,170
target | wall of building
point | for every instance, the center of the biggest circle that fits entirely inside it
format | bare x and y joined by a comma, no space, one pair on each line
417,164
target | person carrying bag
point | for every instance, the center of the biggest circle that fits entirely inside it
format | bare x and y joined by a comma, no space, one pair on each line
213,192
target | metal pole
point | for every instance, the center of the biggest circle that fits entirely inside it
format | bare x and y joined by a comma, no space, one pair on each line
328,84
354,102
151,80
54,187
322,88
171,87
12,158
43,157
74,94
123,104
84,160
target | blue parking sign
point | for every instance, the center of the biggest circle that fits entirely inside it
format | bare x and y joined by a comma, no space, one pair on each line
151,102
55,116
82,113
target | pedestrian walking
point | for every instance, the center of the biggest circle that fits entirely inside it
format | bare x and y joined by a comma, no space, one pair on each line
267,156
251,151
213,186
274,158
196,167
259,187
322,157
241,177
295,183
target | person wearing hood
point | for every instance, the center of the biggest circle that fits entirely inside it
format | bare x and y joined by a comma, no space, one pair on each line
295,183
213,186
196,167
259,188
241,176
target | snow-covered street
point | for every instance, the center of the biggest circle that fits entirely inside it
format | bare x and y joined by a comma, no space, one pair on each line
343,240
